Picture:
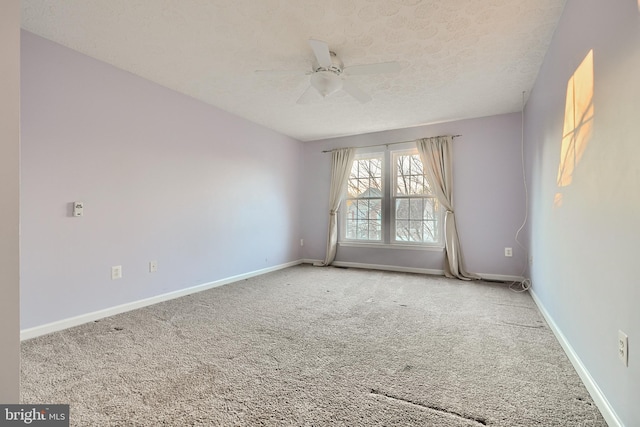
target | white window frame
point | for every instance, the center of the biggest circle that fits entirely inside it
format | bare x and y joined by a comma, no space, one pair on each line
394,196
388,240
344,206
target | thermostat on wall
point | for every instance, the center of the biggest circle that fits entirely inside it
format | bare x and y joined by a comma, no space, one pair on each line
78,208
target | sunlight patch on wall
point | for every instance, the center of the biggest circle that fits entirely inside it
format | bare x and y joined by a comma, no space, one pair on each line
578,123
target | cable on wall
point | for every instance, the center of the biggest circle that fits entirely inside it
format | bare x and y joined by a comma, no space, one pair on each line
525,284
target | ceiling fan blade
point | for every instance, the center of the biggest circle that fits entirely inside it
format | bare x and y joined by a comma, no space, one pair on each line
381,67
308,96
321,51
353,90
277,72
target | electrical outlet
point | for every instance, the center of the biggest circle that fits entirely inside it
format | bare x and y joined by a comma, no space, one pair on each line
301,242
508,252
153,266
116,272
623,348
530,259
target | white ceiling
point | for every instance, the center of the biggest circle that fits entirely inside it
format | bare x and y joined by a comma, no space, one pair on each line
459,58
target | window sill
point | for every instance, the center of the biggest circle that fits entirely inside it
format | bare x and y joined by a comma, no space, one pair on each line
433,248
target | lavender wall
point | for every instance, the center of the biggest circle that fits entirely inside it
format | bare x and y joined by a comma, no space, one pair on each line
9,194
585,250
163,177
488,196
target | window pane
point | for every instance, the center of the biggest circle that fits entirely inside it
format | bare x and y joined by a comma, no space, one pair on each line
409,177
430,210
375,206
375,216
350,231
416,208
350,219
416,230
362,212
376,184
403,171
352,187
402,230
375,219
365,178
416,165
357,186
349,206
416,220
362,231
363,219
375,167
375,230
425,186
402,209
429,232
417,184
361,168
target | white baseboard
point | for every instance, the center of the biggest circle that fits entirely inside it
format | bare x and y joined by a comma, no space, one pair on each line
59,325
485,276
379,267
500,277
388,268
597,395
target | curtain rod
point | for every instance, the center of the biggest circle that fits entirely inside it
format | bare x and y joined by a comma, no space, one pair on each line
388,143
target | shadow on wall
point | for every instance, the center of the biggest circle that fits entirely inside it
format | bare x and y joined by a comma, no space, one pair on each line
578,124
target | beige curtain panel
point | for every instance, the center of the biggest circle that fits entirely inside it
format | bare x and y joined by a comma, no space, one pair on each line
341,161
436,156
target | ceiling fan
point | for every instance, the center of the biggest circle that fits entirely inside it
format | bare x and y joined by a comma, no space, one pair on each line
329,75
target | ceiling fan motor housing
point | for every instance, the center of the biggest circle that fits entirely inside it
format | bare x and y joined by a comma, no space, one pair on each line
335,67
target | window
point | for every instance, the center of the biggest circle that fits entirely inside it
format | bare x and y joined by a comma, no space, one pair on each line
390,204
364,199
415,208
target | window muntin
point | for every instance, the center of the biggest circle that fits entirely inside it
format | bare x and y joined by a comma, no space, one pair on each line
390,204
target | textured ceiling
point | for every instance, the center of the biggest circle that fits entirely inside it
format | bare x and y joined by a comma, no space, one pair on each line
459,58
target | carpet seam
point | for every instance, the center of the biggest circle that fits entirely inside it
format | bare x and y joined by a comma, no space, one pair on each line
480,421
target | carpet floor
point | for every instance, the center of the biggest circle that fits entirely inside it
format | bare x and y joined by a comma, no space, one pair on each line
308,346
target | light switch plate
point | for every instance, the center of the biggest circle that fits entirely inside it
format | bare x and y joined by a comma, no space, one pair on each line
116,272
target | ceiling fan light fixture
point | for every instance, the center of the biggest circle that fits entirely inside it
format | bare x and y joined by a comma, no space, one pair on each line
326,82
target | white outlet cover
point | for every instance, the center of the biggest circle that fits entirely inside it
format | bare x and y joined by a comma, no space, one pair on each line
623,348
116,272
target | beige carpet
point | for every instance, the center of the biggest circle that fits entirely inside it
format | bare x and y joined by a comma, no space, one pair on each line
310,346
